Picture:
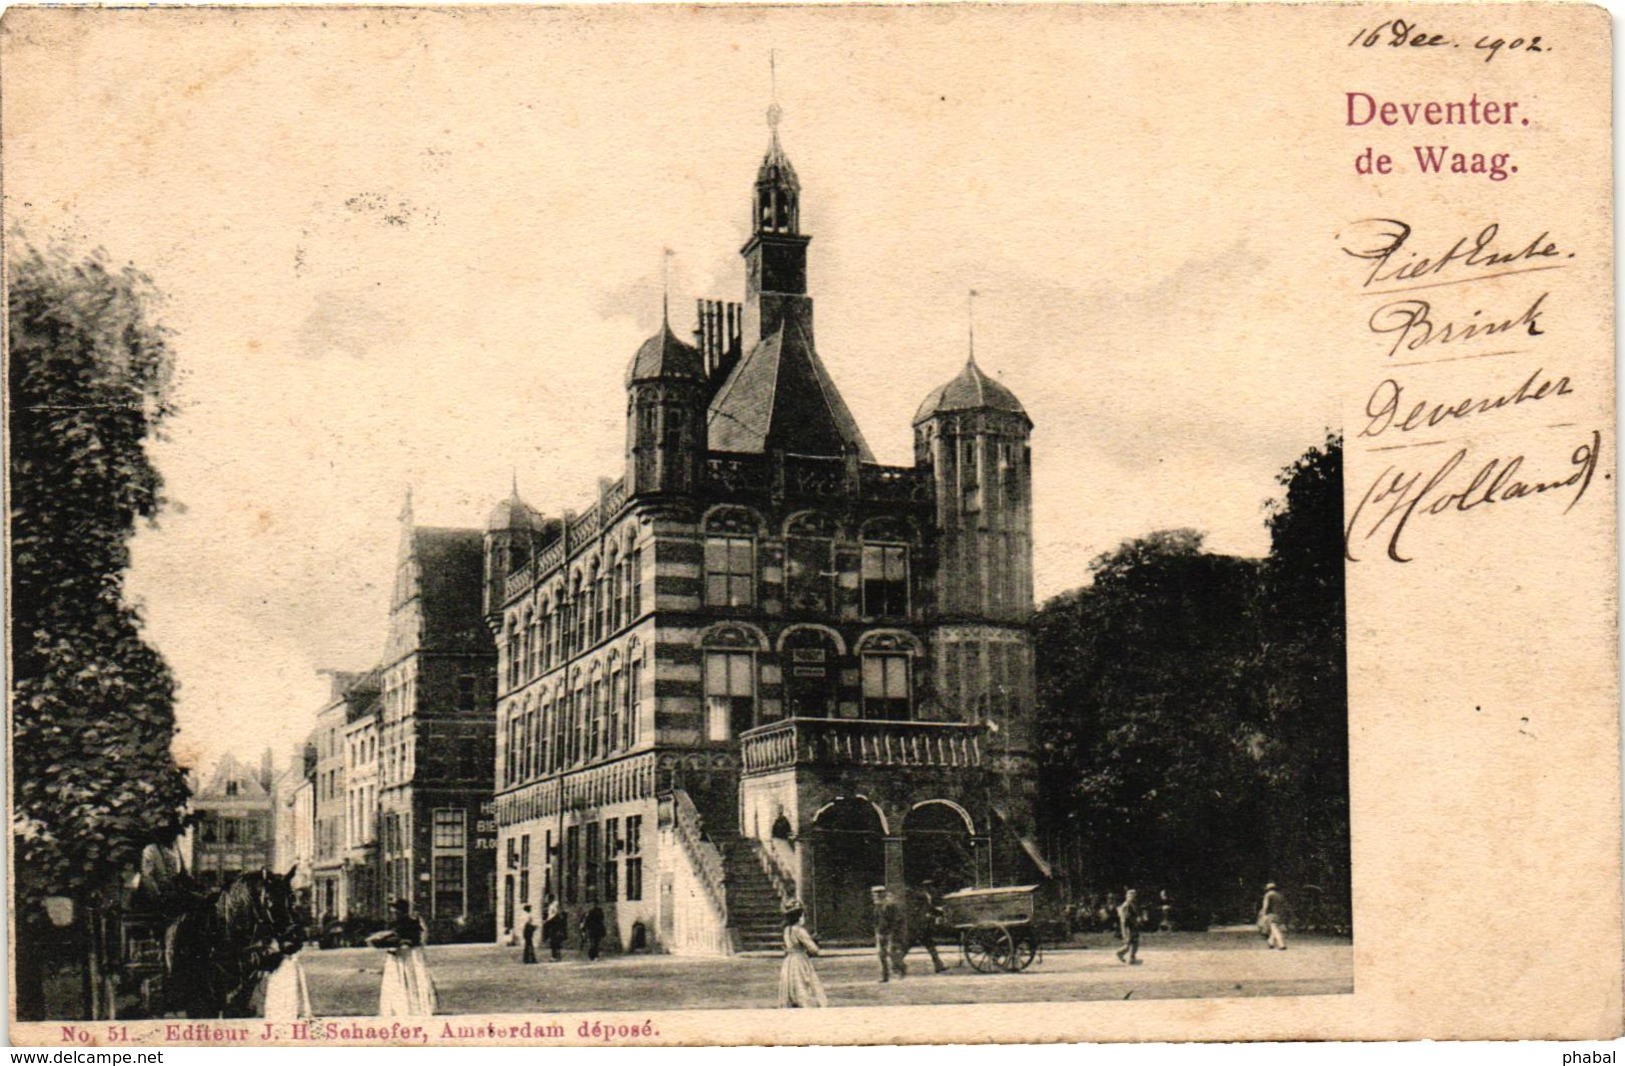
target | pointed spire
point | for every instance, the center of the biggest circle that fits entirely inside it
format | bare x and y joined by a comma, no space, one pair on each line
406,508
665,287
970,318
515,482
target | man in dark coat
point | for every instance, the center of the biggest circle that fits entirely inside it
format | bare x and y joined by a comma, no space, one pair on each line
592,926
891,934
923,915
555,930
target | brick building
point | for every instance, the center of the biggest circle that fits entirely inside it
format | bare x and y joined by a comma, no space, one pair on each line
760,664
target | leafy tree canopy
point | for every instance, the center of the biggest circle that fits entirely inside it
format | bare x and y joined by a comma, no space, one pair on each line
89,377
1193,706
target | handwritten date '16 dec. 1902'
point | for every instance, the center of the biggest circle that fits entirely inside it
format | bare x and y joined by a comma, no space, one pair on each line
1401,33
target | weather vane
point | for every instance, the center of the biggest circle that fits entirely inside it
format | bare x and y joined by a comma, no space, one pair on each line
774,111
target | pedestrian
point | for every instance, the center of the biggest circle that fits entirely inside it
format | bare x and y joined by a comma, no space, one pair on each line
407,988
1128,927
287,992
555,929
923,916
528,933
799,985
592,928
1165,905
891,934
1272,917
1111,920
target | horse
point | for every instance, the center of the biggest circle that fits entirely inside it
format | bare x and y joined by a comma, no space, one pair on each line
217,953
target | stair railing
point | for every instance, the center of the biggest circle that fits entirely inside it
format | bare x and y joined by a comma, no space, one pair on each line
689,828
783,881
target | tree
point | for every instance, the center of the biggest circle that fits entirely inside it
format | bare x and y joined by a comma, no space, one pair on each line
1195,710
93,777
1305,670
1143,686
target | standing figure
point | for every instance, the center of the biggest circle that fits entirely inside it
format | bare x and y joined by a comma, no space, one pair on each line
923,916
407,989
287,992
1165,905
799,985
891,934
555,930
592,928
1272,917
1111,921
528,933
1128,927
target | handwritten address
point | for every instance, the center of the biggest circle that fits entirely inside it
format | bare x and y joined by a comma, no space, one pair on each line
1434,309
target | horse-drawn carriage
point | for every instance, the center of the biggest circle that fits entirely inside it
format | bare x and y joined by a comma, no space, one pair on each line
132,956
999,928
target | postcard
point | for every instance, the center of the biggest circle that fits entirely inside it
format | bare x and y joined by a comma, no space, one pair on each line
666,525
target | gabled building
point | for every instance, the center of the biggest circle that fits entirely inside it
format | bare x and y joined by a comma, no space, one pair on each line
232,831
760,664
433,723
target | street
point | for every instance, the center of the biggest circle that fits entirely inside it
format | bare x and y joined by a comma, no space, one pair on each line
484,979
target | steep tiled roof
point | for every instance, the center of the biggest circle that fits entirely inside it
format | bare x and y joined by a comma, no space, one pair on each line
780,396
451,566
972,390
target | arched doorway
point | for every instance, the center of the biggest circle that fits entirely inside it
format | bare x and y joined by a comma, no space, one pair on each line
937,846
849,858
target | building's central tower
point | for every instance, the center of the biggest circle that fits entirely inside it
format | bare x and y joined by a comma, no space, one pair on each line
776,254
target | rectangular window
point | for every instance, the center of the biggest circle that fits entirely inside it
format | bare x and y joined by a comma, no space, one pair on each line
886,687
634,697
970,488
617,704
730,694
572,862
449,823
635,579
730,571
448,886
885,580
634,859
594,857
808,570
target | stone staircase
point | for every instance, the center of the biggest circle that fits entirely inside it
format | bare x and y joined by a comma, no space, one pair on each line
755,908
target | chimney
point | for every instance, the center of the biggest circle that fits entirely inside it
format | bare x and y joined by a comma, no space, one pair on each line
718,337
265,769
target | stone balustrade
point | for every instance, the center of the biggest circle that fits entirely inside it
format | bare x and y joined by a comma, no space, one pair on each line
838,741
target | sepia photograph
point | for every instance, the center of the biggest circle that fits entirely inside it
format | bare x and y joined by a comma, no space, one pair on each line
461,592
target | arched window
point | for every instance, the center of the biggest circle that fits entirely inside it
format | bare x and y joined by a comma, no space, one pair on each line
730,680
634,694
809,562
544,731
885,569
612,599
634,574
561,725
617,705
578,615
597,713
513,653
812,672
730,558
601,603
578,722
888,675
527,646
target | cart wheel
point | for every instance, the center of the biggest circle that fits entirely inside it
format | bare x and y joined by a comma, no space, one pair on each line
1025,950
987,950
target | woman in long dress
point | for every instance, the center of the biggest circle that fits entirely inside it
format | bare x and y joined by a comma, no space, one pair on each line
407,989
799,985
287,992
